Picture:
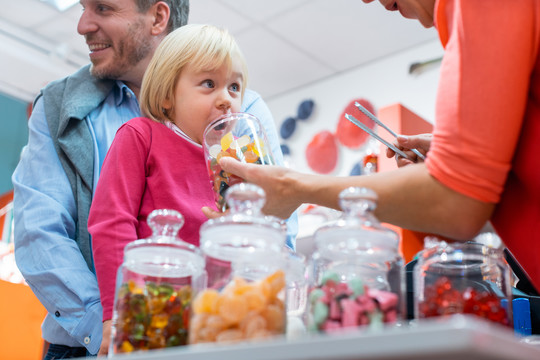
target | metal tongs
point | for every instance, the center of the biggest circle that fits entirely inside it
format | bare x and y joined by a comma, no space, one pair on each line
372,133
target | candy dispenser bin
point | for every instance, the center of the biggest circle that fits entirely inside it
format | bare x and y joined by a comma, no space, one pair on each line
356,272
245,298
463,278
157,280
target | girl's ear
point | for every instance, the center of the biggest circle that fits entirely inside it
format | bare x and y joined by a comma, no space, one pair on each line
167,105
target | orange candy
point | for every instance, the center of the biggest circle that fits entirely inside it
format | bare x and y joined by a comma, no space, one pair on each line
206,302
232,308
244,310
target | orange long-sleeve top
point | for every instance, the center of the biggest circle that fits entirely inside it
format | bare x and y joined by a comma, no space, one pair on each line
486,139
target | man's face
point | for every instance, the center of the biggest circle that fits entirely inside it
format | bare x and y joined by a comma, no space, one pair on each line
117,35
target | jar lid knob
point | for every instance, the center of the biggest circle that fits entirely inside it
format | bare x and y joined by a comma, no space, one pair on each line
245,198
165,222
357,199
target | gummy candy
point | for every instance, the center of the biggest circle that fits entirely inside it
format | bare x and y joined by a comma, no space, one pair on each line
244,148
152,316
336,305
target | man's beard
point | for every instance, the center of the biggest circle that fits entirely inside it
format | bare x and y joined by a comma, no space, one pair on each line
129,52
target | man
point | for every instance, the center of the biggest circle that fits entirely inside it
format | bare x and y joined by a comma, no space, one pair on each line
70,130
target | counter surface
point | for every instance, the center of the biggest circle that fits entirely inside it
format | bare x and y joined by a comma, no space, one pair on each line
442,339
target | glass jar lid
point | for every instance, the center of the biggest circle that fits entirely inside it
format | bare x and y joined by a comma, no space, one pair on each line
357,233
164,254
244,231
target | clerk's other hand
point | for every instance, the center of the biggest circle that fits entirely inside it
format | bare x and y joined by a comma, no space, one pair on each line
104,348
274,180
420,142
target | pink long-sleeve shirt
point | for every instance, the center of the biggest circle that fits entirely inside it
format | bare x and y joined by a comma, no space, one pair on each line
148,167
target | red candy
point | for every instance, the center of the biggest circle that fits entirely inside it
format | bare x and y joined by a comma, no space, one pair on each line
442,299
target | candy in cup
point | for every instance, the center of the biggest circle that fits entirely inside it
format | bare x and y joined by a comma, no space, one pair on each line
238,135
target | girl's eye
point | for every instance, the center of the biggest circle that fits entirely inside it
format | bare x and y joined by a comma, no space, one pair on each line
208,83
235,87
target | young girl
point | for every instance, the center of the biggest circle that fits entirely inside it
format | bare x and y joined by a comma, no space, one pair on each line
196,75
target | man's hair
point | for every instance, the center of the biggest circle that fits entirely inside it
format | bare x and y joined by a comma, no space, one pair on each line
202,47
179,11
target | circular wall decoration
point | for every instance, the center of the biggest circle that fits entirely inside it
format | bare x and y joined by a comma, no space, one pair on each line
348,134
322,152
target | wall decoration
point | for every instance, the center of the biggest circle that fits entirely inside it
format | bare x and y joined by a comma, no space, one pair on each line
305,109
287,128
348,134
322,152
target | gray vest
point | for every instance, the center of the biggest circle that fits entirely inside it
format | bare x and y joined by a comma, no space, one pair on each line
67,102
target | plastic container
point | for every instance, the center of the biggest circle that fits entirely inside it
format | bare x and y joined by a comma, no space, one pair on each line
357,274
158,278
245,262
463,278
239,135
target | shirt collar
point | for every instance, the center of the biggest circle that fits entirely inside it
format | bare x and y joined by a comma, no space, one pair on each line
122,91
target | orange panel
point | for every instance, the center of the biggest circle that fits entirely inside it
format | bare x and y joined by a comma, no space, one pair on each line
21,315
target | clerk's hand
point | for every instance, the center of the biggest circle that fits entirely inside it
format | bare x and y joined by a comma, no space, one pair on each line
420,142
281,197
104,348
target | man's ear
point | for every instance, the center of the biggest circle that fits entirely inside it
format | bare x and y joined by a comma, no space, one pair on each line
161,13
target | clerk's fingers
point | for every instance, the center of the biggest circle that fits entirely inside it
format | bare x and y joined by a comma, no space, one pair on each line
420,142
235,167
401,161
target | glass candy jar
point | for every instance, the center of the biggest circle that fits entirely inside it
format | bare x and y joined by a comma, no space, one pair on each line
463,278
356,275
245,298
241,136
155,285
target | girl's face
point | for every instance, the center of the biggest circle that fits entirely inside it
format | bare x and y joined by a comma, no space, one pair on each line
200,97
422,10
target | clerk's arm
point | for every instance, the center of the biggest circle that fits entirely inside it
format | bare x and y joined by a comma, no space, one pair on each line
408,197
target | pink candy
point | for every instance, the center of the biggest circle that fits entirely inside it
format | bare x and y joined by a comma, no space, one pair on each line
337,306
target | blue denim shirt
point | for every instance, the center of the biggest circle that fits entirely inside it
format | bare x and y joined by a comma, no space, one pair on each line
45,213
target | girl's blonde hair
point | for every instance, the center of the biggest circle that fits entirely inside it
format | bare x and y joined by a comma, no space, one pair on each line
204,47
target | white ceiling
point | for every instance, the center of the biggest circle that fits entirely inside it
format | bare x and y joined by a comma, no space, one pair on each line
288,43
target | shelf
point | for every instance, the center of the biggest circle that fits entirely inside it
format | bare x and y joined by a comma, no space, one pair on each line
442,339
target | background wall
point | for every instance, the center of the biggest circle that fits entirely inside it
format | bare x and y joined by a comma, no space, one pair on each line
383,82
13,136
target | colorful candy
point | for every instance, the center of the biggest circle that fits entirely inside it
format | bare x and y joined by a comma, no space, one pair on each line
151,317
241,311
243,148
441,298
337,305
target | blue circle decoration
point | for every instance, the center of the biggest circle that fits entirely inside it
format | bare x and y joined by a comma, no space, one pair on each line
305,109
356,170
285,149
287,127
